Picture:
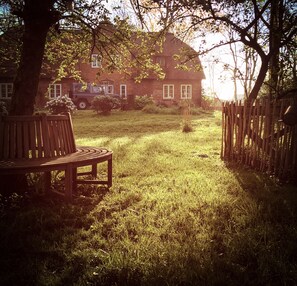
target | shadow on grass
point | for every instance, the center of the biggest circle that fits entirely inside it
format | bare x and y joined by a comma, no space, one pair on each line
265,247
252,240
38,234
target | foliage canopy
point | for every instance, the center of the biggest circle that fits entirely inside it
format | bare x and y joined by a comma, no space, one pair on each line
267,27
39,33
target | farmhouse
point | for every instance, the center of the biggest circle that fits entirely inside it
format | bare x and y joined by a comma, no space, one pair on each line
179,62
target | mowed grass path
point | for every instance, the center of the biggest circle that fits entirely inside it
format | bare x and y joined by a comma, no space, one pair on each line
176,214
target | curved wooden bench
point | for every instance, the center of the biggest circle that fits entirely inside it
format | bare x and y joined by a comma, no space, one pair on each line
45,143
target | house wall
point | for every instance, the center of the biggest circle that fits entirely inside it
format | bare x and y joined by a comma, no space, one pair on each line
147,87
43,86
150,86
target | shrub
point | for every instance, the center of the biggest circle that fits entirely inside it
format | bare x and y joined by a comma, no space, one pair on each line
173,110
60,105
142,101
185,107
152,109
162,104
187,126
207,103
155,109
3,108
104,104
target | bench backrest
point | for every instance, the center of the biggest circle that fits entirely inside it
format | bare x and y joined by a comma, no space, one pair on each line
36,136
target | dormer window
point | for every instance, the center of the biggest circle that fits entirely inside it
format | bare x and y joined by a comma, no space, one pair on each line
95,61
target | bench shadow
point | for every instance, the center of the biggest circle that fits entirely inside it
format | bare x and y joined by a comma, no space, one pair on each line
38,233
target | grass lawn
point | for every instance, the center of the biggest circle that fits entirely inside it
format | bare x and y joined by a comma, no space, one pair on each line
176,214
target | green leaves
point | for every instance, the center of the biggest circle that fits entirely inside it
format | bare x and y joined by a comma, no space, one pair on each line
105,104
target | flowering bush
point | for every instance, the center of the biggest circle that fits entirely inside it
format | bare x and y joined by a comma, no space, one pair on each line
105,104
3,109
60,105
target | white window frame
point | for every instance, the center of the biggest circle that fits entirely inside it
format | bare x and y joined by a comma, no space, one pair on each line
186,91
6,90
109,89
95,61
55,90
123,90
168,91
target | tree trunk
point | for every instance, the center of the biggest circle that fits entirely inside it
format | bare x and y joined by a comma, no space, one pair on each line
274,44
38,17
260,79
25,90
27,77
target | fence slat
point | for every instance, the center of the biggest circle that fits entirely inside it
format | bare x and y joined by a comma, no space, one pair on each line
256,136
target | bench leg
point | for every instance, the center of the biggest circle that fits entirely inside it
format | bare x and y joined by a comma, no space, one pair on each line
109,173
68,181
74,184
94,171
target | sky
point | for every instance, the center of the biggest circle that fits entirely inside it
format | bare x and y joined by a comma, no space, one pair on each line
217,81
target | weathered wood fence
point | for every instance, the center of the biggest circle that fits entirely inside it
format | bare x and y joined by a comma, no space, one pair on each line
255,135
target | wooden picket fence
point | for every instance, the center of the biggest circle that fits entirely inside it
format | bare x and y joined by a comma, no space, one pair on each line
255,135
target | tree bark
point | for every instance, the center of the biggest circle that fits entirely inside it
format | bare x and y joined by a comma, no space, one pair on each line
274,43
38,17
27,77
260,79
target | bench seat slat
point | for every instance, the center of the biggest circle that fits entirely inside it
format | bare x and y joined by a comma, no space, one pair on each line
12,142
2,137
19,140
57,140
65,135
53,142
39,141
83,156
68,136
45,136
26,139
61,140
6,142
32,144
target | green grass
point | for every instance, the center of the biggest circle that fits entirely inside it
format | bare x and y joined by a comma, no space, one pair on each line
176,214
